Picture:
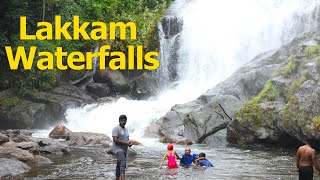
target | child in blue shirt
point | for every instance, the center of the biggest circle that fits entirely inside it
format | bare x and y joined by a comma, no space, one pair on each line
202,161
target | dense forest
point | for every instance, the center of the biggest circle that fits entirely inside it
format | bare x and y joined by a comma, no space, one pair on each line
144,13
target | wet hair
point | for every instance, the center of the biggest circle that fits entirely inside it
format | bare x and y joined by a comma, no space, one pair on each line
123,117
309,141
202,155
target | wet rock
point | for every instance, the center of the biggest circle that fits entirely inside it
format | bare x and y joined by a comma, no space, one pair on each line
27,145
59,132
41,161
24,132
24,138
53,148
17,153
38,109
176,140
287,112
4,138
98,89
199,117
11,167
152,131
72,91
106,99
86,138
11,133
115,80
9,144
144,86
171,26
18,113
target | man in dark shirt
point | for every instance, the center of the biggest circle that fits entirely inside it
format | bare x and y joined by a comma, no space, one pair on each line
306,159
121,142
187,158
202,161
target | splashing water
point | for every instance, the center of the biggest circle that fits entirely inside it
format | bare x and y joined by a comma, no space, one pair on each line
217,37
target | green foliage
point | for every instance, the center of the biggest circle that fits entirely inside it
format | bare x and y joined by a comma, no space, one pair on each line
291,68
251,113
316,122
270,92
292,110
35,78
145,13
10,101
295,85
312,51
318,64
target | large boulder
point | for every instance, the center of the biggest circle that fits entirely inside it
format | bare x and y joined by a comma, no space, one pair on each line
286,112
87,138
72,91
116,81
144,87
4,138
59,132
17,153
38,109
218,105
19,113
98,89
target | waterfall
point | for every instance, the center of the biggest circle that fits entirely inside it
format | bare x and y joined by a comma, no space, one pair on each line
215,38
219,36
88,77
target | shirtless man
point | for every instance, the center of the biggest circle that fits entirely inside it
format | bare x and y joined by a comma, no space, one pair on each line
306,158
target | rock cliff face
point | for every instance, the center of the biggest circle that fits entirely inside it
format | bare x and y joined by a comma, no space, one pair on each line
287,110
38,109
203,115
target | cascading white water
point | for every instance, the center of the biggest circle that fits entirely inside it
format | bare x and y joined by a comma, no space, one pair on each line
216,39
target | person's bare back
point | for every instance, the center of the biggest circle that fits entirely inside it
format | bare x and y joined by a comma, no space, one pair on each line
305,154
306,160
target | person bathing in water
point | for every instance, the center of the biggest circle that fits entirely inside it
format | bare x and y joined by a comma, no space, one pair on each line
202,161
171,159
187,158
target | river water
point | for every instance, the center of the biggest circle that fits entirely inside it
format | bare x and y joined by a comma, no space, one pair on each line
92,162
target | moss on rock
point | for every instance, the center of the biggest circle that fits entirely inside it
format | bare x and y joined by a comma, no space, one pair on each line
312,51
250,113
295,85
270,92
290,110
291,68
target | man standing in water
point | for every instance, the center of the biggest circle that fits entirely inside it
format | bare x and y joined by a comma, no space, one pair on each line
306,159
187,158
121,142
